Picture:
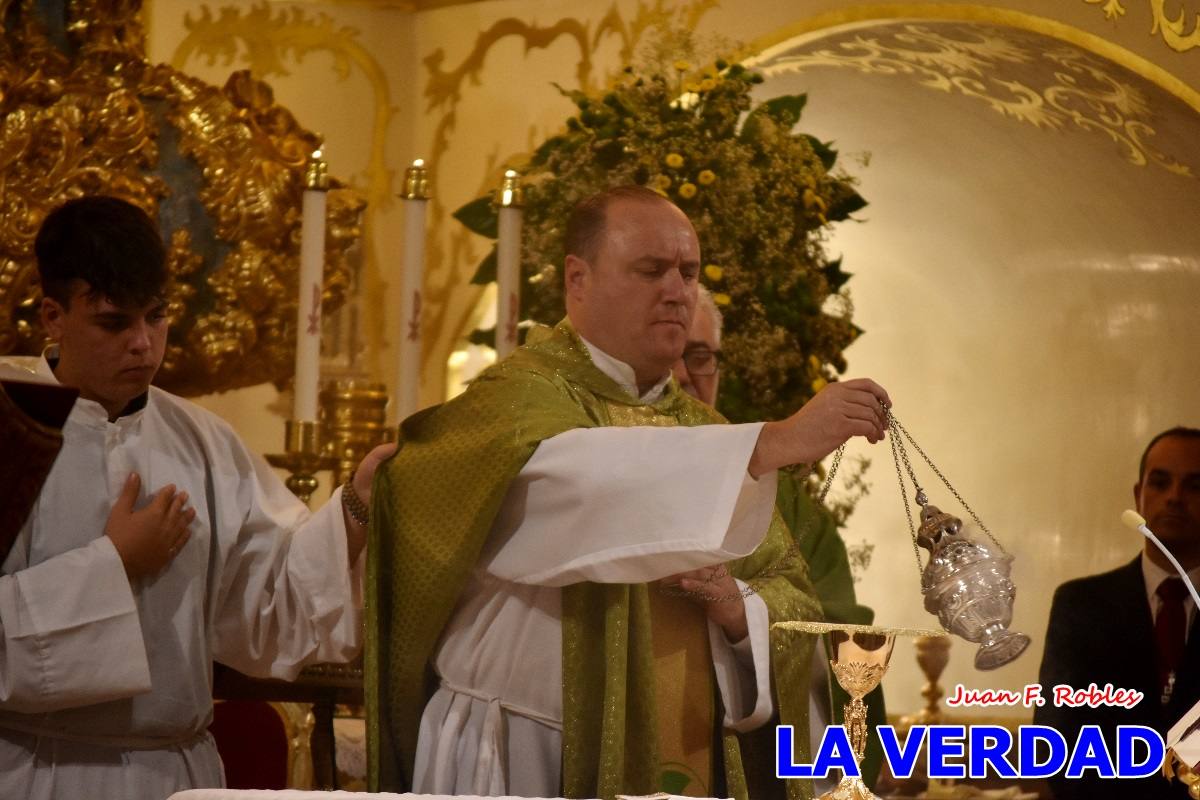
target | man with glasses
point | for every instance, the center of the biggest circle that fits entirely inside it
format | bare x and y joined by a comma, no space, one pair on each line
699,373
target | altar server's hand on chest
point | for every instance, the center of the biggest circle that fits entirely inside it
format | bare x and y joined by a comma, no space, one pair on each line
147,539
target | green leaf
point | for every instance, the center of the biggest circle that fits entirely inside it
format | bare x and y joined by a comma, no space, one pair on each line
823,150
834,275
485,273
785,109
844,205
480,217
483,337
673,782
609,153
547,147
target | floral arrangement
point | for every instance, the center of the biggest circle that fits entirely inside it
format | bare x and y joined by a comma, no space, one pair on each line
760,196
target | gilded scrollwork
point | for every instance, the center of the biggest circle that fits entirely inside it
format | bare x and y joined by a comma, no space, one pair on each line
266,40
1174,31
858,678
222,169
1112,8
1050,87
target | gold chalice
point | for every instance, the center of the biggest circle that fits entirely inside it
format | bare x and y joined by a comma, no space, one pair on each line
859,656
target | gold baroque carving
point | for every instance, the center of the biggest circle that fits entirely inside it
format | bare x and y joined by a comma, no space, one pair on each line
444,93
971,60
222,168
268,40
1173,31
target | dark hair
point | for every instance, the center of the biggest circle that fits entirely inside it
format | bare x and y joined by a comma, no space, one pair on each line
109,244
1178,430
585,227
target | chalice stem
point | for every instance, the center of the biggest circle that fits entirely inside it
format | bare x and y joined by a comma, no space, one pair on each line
856,727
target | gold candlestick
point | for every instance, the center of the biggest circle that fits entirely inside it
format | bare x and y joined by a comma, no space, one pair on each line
933,653
354,417
302,457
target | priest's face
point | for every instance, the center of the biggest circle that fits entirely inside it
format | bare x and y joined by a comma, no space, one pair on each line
1168,496
109,353
636,296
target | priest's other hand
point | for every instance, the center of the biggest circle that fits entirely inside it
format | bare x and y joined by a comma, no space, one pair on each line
835,414
715,590
147,539
360,484
364,473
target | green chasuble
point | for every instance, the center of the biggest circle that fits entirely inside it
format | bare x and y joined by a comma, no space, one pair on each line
433,505
829,570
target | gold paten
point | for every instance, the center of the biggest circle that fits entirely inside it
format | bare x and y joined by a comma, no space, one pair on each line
106,121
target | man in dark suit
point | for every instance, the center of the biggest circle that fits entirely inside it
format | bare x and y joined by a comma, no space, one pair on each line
1133,627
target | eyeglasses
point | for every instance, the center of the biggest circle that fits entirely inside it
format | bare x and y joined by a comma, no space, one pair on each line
702,362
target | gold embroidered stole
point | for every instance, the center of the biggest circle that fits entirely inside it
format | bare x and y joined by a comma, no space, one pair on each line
683,679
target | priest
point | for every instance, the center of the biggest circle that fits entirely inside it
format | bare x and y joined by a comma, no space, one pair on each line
577,569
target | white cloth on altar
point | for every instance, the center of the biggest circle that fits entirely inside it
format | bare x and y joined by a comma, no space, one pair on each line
297,794
106,689
608,505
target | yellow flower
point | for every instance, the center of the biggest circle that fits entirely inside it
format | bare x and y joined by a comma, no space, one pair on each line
691,87
674,160
687,191
814,362
706,177
721,299
707,85
682,66
660,183
713,272
818,384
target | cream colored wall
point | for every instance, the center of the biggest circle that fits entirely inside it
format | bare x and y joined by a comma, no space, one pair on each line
470,87
1028,294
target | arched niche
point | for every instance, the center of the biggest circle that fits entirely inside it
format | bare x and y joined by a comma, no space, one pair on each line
1028,277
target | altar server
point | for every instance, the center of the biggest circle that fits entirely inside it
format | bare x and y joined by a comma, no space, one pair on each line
158,543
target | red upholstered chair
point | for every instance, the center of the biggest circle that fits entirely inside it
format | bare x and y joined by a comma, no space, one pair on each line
263,745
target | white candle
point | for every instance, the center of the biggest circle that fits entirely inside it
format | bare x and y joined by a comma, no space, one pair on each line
308,309
408,375
508,265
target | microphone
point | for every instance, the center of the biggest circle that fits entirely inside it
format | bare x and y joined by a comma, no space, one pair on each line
1137,522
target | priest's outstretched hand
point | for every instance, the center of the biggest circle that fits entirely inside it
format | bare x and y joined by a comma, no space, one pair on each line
835,414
